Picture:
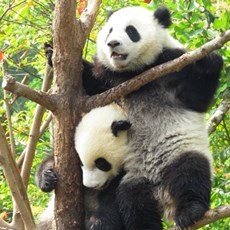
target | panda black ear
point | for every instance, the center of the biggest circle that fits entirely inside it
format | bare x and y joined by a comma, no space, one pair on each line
109,13
120,126
162,14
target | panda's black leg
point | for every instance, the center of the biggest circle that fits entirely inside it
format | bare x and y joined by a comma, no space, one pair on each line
107,215
189,183
137,205
108,218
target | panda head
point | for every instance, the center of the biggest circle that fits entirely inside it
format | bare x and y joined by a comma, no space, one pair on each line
101,140
133,37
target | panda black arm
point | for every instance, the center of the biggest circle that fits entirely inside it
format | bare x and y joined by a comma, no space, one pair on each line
197,83
139,209
49,53
107,215
46,177
169,55
91,84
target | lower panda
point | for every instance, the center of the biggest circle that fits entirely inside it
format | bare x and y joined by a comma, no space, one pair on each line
102,144
169,154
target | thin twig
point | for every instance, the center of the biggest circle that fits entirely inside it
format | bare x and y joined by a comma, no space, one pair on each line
48,101
222,109
24,82
35,130
8,113
15,183
89,15
42,130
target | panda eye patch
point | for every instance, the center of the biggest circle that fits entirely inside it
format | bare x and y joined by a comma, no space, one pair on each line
103,164
133,33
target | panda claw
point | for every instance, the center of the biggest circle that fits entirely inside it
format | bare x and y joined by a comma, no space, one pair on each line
189,215
49,180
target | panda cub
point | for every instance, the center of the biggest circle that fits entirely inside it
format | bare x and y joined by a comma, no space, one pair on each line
102,144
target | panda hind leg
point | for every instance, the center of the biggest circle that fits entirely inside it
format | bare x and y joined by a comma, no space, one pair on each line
189,183
139,209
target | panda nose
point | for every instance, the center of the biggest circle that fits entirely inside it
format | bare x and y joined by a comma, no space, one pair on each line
113,43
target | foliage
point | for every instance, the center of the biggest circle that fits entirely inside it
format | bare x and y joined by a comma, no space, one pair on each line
26,25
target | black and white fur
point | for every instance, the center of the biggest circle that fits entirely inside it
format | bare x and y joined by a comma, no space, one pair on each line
170,155
102,143
169,159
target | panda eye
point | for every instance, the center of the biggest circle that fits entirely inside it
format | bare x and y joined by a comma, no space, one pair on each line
133,33
103,164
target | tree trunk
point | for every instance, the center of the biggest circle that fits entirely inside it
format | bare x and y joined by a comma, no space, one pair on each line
67,74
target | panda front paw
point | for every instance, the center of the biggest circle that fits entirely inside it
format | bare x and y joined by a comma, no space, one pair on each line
49,53
189,214
48,180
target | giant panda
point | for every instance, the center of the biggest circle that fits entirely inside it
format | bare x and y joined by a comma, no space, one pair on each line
169,158
169,143
102,144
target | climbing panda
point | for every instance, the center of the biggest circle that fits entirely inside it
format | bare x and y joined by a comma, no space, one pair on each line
102,144
169,161
169,143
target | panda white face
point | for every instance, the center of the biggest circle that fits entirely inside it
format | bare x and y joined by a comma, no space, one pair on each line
101,140
98,175
133,37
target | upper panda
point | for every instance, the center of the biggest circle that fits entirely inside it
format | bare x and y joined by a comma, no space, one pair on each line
101,140
169,161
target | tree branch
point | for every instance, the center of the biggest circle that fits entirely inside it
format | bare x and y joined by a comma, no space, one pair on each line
33,139
210,217
46,100
35,130
9,121
88,16
222,109
8,114
156,72
15,183
42,130
5,225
